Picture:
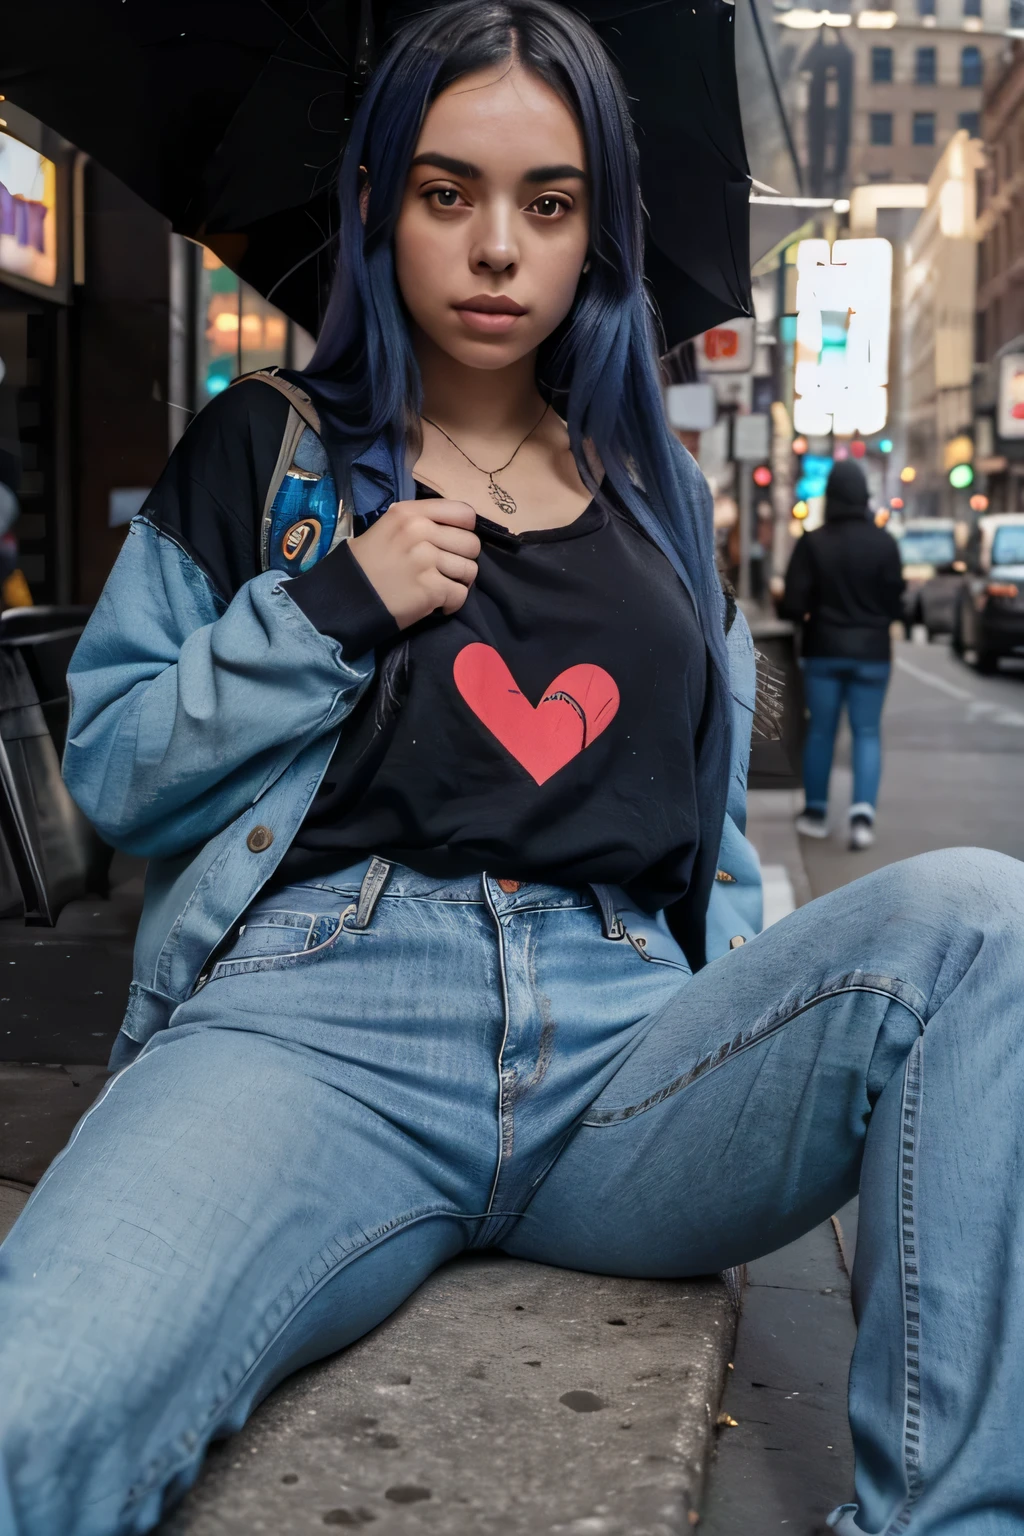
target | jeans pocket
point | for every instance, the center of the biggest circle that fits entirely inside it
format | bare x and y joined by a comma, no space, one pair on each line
273,937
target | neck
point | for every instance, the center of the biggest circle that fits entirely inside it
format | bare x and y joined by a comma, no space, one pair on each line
477,402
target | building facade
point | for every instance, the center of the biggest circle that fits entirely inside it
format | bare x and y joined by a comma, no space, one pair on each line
937,355
878,94
1000,320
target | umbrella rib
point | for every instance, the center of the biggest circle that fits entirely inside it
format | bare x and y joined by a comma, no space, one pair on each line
290,27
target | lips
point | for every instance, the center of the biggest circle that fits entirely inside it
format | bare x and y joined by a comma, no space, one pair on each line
489,314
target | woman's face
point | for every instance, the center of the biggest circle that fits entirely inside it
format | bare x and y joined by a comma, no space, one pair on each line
493,230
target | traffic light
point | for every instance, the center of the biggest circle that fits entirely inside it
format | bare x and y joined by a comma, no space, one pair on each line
885,445
961,476
897,503
858,449
762,476
908,474
978,503
800,445
800,511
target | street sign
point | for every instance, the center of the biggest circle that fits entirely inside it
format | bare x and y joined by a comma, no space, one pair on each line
691,407
1011,395
751,438
727,348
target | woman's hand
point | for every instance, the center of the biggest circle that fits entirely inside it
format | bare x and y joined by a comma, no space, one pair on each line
420,556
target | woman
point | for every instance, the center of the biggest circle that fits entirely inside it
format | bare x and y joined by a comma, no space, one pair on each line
432,828
845,584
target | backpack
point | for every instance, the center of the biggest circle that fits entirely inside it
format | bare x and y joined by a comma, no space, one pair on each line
303,517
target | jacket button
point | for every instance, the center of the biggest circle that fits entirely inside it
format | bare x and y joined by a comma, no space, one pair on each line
737,941
259,839
725,877
509,886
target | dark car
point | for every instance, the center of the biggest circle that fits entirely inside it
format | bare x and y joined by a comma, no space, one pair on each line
990,611
933,575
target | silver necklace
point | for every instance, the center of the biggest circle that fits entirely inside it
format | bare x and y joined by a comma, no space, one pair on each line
503,500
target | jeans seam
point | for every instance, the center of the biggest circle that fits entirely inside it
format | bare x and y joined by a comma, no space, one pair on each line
163,1469
910,1287
502,1107
767,1026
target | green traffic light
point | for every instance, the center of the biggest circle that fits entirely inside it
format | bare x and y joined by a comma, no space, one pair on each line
885,445
961,476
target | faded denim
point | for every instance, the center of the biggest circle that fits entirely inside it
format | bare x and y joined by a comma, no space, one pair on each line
341,1108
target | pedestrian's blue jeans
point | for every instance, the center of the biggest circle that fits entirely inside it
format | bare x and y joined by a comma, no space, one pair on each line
341,1108
829,682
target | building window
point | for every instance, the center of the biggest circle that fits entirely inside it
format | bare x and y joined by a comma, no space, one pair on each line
970,66
926,7
1017,15
972,7
924,66
924,128
881,127
972,122
881,66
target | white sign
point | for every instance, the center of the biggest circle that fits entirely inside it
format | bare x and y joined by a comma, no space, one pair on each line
727,348
841,363
691,407
1011,395
751,438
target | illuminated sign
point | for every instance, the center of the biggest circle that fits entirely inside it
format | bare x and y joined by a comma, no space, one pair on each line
1011,395
841,359
28,213
727,348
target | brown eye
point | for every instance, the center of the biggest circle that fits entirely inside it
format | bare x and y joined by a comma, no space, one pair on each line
447,197
549,207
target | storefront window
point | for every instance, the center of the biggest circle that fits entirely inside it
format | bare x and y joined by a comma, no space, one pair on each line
239,330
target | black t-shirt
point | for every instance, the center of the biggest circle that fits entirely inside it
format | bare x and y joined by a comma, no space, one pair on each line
561,746
544,732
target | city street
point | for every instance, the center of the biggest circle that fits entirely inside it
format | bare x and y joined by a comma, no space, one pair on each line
953,749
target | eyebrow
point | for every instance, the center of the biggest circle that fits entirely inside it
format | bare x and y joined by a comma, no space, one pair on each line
470,172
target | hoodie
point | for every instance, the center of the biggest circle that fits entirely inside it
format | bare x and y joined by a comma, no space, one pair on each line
845,581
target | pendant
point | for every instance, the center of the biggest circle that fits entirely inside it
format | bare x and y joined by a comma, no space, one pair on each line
501,498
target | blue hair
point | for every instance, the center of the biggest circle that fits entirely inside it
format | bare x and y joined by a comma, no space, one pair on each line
600,367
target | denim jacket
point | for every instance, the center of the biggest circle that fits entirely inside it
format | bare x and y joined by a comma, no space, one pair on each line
200,730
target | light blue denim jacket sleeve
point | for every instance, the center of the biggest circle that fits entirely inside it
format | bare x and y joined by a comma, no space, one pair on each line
183,710
735,907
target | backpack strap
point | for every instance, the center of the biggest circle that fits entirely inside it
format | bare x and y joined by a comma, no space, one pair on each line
296,397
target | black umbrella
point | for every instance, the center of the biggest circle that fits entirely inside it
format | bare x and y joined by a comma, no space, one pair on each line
229,116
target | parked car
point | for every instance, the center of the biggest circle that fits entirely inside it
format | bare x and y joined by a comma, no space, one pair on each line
990,609
932,572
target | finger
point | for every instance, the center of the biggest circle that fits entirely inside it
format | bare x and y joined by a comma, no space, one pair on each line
454,597
457,541
458,514
456,567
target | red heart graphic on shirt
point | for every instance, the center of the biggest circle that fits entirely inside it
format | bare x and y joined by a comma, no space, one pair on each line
574,711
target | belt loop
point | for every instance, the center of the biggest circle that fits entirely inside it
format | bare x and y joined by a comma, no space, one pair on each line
372,889
611,923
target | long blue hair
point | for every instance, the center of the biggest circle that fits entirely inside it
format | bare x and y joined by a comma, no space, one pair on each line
599,368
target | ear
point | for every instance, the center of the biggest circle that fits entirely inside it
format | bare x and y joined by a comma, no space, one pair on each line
364,193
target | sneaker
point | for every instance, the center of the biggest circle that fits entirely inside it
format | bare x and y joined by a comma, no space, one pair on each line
862,832
812,824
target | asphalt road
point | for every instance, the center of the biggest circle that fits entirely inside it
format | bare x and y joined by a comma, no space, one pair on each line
953,767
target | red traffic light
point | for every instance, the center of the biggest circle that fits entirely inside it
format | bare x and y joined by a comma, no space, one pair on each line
858,449
897,503
762,475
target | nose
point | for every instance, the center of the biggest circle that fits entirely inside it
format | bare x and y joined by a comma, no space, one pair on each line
495,248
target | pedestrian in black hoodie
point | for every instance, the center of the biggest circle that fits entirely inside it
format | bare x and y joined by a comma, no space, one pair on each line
844,585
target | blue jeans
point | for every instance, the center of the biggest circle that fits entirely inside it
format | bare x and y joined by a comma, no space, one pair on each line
355,1096
829,682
